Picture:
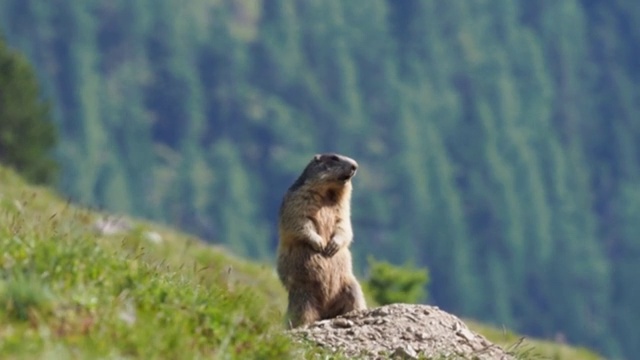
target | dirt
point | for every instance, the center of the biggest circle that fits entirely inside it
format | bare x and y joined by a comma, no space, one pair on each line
400,331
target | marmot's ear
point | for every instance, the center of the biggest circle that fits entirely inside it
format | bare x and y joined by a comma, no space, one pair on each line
317,157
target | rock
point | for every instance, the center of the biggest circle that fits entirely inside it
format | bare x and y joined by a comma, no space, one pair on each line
400,331
153,237
465,334
111,225
402,352
342,323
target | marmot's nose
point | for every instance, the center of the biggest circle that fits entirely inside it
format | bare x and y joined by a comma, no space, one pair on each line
354,166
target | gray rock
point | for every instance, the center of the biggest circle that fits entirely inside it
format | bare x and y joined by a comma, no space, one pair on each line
342,323
404,352
400,331
112,225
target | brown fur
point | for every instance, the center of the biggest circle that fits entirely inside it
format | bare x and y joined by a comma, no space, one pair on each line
314,261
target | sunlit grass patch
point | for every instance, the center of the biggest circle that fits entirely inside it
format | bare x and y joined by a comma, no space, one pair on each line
528,348
66,290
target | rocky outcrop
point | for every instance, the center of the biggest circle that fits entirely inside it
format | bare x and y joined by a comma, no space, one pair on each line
400,331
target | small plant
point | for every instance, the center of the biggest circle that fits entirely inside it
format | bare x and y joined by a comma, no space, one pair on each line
19,297
388,283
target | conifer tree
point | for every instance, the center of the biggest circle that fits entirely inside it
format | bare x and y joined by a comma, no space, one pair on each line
27,135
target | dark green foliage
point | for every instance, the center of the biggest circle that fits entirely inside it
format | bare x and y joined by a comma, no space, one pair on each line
27,136
499,141
389,284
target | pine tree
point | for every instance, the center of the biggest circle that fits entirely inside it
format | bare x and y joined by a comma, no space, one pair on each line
27,135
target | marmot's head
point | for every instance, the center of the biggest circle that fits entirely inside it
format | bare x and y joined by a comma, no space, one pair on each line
330,169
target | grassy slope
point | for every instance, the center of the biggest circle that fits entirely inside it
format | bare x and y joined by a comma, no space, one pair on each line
66,292
525,348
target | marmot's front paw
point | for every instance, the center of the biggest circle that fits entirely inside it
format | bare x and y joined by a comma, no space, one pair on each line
317,245
332,247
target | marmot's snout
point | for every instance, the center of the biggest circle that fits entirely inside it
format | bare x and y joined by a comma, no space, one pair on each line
343,167
352,168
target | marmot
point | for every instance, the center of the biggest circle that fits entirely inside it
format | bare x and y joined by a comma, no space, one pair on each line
314,261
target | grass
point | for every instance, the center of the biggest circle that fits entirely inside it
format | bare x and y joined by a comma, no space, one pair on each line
525,348
67,292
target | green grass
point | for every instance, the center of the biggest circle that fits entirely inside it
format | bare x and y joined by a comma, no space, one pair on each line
526,348
68,293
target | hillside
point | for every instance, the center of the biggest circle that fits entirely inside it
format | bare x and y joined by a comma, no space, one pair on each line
67,291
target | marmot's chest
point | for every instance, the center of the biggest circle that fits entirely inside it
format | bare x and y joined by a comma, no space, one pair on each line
325,221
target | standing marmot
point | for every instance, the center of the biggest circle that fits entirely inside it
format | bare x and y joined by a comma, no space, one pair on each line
314,261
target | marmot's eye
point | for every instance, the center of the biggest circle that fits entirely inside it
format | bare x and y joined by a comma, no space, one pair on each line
335,158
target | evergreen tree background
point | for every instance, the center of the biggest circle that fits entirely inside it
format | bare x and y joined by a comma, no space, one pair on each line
498,140
27,135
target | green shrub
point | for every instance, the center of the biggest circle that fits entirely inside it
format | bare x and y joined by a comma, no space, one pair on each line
388,283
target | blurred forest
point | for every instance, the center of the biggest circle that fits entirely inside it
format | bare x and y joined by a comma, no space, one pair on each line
499,141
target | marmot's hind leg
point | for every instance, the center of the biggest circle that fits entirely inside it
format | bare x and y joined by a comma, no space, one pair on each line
302,309
350,298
